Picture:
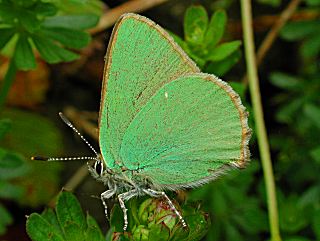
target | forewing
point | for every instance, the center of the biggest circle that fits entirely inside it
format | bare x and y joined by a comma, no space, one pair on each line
192,129
141,58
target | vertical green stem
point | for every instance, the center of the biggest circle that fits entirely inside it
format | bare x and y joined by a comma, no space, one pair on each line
259,120
7,82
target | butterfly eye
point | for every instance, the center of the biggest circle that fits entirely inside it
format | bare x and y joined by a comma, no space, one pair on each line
98,166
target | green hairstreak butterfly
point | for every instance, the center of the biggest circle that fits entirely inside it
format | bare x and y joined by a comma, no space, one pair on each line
163,125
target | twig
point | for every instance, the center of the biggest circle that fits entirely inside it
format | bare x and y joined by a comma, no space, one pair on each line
77,178
273,33
111,16
82,123
246,15
265,22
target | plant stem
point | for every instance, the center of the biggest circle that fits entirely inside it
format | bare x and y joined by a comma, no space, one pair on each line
7,82
259,120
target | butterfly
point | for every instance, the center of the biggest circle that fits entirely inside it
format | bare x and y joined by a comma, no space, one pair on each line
163,125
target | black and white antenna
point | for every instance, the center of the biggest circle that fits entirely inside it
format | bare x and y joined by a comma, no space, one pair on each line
62,159
68,123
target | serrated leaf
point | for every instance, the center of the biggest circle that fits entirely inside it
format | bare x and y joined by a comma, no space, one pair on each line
216,28
299,30
79,22
195,24
223,51
73,232
93,232
69,211
23,54
5,35
68,37
39,229
285,81
51,52
51,218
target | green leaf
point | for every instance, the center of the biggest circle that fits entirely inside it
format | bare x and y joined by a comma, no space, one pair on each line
93,232
313,113
68,37
313,3
195,24
296,238
299,30
45,9
51,52
51,217
40,135
223,51
81,7
285,81
216,28
10,191
79,22
286,113
12,165
311,46
292,218
40,229
316,223
32,134
273,3
5,220
5,126
5,35
315,154
69,211
28,20
23,55
220,68
67,224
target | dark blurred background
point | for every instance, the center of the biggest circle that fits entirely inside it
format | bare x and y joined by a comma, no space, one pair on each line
290,86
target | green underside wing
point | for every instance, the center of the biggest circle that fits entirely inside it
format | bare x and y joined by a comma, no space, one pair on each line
163,118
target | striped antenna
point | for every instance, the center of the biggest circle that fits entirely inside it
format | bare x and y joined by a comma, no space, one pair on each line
68,123
62,159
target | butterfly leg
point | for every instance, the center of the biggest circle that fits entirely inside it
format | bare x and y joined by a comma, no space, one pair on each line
104,196
125,197
154,193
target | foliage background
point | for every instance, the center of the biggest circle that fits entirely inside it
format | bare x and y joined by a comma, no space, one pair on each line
290,87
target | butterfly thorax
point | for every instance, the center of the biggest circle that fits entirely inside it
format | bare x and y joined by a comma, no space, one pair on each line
120,179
